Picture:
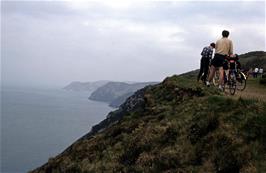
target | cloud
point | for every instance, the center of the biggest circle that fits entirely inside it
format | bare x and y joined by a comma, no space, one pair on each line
54,43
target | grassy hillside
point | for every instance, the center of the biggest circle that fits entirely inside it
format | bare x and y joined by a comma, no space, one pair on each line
253,59
254,90
175,126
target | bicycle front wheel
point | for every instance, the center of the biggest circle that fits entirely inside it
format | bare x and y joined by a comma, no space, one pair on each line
241,81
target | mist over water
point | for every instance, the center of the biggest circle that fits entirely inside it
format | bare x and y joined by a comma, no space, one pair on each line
37,124
54,42
49,43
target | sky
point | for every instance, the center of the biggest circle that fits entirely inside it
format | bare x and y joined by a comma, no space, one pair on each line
52,43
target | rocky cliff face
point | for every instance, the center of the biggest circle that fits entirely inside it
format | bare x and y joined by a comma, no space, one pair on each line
175,126
132,104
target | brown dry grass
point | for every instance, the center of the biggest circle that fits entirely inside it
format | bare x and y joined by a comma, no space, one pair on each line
254,90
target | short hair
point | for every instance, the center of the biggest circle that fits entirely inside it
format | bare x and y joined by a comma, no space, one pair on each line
225,33
212,45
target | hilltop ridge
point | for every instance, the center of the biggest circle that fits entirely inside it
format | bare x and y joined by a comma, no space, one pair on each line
253,59
174,126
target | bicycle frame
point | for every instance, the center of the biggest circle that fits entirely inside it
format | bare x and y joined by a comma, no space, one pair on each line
236,77
230,80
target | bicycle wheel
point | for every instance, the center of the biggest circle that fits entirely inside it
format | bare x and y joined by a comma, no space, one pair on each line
232,84
241,81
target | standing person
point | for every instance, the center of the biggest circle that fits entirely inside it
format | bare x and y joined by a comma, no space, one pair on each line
255,74
205,61
223,48
261,71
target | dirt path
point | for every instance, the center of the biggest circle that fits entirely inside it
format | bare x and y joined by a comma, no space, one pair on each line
253,90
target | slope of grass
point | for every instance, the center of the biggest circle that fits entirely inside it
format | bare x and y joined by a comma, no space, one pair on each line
253,59
181,127
254,90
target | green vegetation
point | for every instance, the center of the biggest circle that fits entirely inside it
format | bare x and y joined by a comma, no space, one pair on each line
263,79
253,59
254,90
181,126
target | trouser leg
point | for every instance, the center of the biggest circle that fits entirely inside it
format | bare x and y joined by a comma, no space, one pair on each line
205,69
211,75
201,70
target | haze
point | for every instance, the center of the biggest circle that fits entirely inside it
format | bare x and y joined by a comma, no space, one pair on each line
54,43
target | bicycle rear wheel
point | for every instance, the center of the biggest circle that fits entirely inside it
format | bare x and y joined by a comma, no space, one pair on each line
232,84
232,87
241,81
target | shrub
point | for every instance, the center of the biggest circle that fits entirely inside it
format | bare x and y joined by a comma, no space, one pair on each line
263,79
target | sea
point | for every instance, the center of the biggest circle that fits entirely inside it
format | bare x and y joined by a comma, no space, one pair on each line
37,124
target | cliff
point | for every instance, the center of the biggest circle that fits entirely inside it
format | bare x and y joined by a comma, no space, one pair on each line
174,126
116,93
84,86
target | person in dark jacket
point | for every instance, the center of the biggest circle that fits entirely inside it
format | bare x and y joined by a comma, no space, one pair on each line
206,56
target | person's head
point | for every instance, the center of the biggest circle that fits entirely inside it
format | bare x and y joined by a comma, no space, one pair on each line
212,45
236,56
225,33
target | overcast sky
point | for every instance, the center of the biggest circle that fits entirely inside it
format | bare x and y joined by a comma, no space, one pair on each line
54,43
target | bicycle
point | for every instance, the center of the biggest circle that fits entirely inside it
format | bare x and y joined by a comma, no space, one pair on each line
235,79
230,80
241,80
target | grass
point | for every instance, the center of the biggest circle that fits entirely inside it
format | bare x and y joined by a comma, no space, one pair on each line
254,90
183,127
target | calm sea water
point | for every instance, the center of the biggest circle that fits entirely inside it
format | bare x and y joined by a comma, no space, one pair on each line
37,124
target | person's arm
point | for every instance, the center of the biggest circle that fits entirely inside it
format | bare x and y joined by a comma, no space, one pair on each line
203,51
210,54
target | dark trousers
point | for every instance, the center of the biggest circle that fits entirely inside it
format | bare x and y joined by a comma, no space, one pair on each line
204,68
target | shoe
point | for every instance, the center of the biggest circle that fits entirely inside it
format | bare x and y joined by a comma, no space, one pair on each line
221,88
225,79
208,83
